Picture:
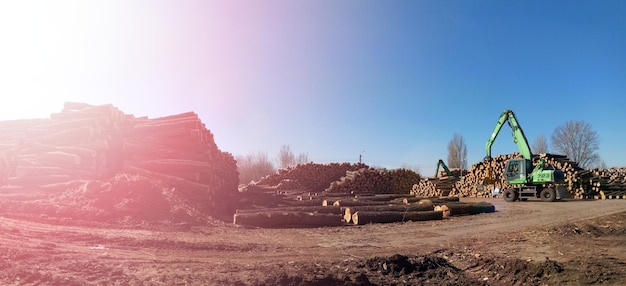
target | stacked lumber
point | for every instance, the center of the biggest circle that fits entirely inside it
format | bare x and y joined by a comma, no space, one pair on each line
89,142
379,181
311,176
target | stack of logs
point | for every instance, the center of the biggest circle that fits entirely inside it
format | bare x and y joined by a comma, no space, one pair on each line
580,183
312,176
472,184
608,183
306,184
85,142
362,195
358,210
380,181
442,185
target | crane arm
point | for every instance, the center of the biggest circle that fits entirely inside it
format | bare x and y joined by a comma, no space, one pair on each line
440,163
518,135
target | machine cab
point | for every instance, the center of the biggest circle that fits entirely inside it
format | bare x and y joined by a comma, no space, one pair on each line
516,171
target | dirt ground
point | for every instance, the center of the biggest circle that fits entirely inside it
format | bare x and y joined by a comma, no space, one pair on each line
524,243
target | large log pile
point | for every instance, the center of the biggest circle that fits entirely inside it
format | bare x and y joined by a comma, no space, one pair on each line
354,210
311,176
360,195
608,183
442,186
580,183
370,180
86,142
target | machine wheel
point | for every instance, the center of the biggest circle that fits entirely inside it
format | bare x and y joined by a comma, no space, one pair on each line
510,195
548,195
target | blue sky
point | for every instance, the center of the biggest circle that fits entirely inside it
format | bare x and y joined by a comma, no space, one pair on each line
392,80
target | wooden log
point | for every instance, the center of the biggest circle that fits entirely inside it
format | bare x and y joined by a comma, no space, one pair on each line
470,208
87,156
80,135
281,219
185,115
25,172
63,186
180,129
189,169
35,181
348,211
298,203
309,209
351,203
364,217
58,158
444,199
185,187
381,197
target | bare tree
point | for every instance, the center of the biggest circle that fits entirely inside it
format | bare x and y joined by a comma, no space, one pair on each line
302,158
578,141
286,158
540,145
457,152
253,167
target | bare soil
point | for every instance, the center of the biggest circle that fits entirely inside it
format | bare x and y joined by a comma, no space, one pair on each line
571,242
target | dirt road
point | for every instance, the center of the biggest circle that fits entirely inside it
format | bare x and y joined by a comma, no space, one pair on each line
531,242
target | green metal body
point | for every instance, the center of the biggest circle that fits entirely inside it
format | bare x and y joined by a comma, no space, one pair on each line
440,163
521,171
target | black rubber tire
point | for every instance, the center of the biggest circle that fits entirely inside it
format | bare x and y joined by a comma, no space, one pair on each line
510,195
548,195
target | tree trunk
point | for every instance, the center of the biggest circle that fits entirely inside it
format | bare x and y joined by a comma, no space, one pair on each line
280,219
364,217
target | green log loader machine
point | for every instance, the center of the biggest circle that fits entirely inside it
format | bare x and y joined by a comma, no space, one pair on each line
526,180
444,184
441,164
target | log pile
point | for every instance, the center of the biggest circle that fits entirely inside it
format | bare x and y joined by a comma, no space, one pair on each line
87,142
608,183
580,183
361,194
441,186
312,176
471,185
379,181
180,151
344,209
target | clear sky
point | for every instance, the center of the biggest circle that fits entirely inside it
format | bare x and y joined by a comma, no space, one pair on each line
391,80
